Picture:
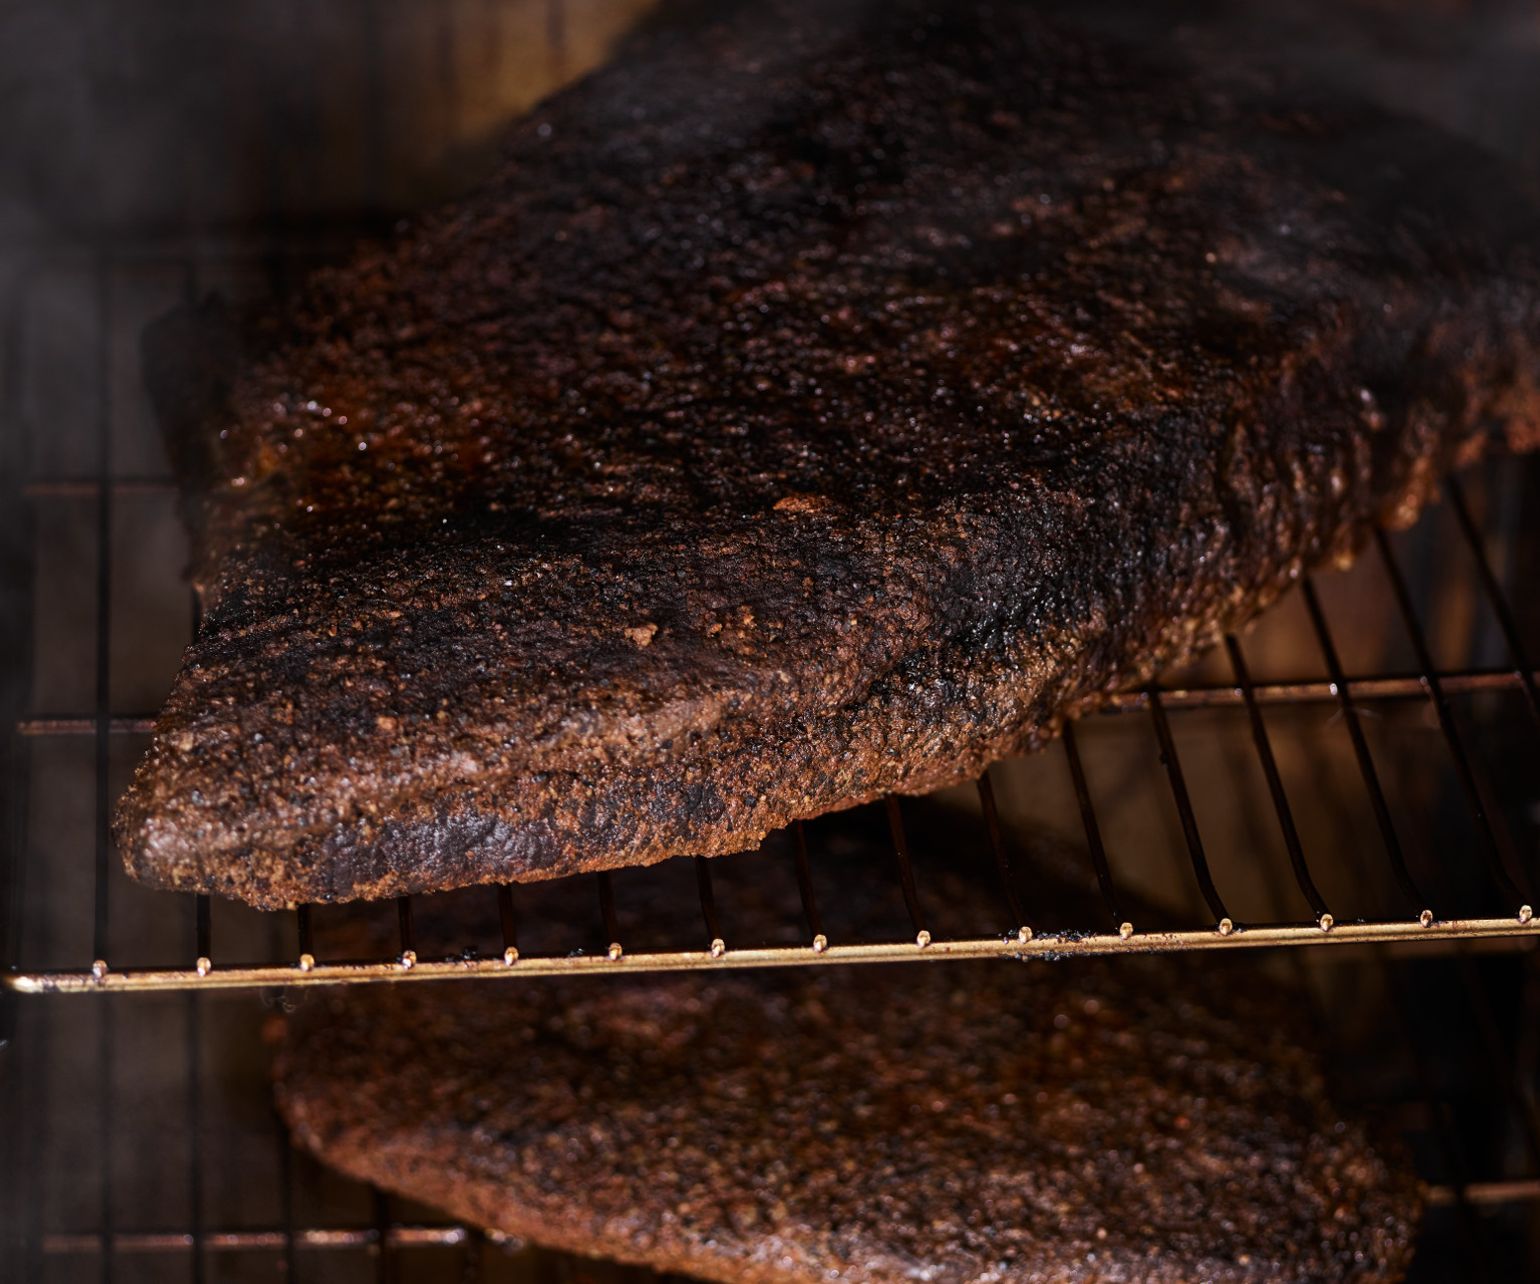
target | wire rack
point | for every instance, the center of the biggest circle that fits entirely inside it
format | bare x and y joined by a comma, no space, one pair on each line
1360,771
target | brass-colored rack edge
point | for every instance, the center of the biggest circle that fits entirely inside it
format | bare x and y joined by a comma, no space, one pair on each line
107,981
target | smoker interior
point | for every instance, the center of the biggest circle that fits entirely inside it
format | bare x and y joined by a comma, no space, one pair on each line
163,154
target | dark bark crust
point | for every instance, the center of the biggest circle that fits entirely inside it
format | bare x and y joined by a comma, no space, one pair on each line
822,401
1114,1120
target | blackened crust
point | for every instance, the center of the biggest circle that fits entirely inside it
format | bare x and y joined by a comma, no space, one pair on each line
1140,1120
818,403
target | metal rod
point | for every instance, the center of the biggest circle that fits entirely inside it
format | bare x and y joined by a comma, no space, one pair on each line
1371,777
805,885
1523,670
286,1234
1275,789
1093,832
101,895
1486,836
204,960
202,930
471,1263
708,905
194,1134
997,847
101,906
304,931
17,640
1521,1190
607,912
404,926
104,1146
381,1244
22,1148
1312,691
1195,853
1050,944
58,724
263,1240
905,869
507,923
33,1196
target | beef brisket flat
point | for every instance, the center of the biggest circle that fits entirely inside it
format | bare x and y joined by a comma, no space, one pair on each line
1145,1119
824,400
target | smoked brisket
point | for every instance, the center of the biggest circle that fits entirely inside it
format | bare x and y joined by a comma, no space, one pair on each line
1149,1119
821,401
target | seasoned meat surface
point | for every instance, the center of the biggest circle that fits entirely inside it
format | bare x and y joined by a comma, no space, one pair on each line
823,400
1126,1119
